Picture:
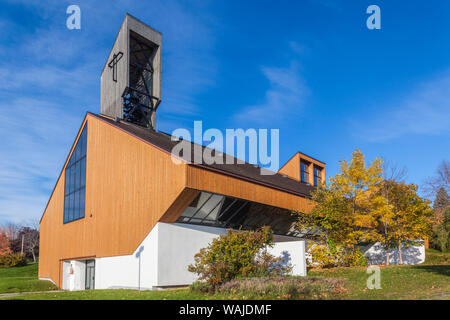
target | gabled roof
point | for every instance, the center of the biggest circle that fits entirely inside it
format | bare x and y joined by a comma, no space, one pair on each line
245,171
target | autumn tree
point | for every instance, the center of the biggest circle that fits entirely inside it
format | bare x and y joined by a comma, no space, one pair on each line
367,203
403,216
4,243
343,210
441,202
382,205
27,240
30,238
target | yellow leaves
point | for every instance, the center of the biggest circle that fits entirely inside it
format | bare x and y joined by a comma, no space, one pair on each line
358,205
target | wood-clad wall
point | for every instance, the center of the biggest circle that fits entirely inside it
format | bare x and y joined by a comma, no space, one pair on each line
129,186
203,179
292,168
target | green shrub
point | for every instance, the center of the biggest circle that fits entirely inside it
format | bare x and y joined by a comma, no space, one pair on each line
238,254
12,260
333,255
353,258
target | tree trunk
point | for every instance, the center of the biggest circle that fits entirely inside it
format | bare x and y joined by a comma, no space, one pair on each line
400,252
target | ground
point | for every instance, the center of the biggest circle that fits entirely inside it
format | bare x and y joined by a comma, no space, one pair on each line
23,279
430,280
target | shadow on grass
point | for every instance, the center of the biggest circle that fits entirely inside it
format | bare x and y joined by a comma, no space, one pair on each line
440,269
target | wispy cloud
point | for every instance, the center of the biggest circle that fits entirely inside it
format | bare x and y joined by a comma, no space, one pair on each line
51,75
423,110
285,97
35,142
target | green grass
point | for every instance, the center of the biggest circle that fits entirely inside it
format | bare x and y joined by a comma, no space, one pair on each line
425,281
23,279
430,280
435,257
119,294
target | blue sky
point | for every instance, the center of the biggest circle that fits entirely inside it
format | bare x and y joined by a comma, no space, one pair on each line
309,68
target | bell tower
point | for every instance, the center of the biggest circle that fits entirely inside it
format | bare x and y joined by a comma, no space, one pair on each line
131,77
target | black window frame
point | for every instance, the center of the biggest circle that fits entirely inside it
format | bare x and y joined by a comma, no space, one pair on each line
317,176
75,181
304,171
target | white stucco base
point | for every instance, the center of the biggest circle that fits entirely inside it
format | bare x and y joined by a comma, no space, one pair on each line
376,254
161,260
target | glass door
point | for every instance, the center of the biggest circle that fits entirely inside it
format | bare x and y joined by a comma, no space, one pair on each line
90,275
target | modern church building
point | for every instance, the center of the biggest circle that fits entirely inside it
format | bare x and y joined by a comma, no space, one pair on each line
127,213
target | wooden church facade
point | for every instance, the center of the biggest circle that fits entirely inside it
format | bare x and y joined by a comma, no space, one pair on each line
124,214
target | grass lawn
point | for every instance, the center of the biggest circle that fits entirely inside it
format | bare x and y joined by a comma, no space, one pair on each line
430,280
23,279
118,294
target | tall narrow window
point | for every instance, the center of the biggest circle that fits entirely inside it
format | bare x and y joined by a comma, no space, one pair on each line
317,176
75,181
304,174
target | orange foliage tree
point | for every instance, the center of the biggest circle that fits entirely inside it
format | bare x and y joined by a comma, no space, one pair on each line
4,243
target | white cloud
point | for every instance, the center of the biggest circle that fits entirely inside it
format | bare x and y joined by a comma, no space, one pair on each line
37,137
51,76
285,97
423,110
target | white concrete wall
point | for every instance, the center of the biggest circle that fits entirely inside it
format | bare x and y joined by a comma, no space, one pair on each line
294,253
136,271
376,254
178,245
166,253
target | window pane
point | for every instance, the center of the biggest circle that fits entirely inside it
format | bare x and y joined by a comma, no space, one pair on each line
69,179
66,207
70,214
78,150
83,172
84,138
80,144
66,182
82,202
75,180
77,175
76,213
73,175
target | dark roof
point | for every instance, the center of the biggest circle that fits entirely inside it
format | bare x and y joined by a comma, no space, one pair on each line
246,171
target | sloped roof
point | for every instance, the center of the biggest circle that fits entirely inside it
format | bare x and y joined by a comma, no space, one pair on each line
244,171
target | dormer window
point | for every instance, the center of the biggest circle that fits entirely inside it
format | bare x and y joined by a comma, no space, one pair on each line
304,171
317,176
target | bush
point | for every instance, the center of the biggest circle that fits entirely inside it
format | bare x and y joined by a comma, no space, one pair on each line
238,254
283,288
322,257
353,258
12,260
333,255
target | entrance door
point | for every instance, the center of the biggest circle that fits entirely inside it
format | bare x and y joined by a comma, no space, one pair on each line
90,274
